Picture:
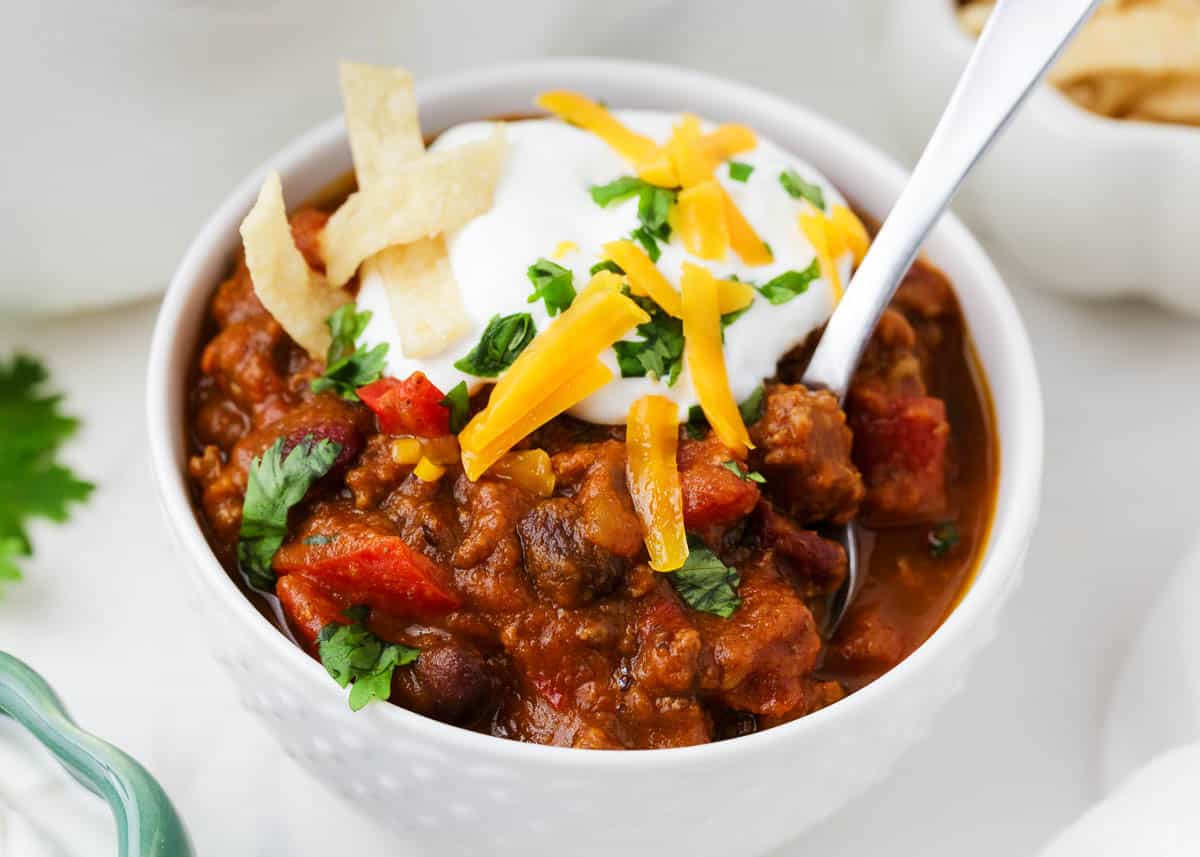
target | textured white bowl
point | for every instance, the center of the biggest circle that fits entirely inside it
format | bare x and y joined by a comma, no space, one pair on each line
1089,205
450,791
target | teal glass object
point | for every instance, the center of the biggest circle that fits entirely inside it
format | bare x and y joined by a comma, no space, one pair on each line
147,823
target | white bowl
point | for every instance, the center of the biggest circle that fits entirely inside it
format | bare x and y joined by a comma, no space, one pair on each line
1089,205
451,791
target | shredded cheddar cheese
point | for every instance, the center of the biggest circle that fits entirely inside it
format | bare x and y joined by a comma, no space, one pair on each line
644,276
729,140
564,249
651,438
733,295
854,233
812,224
701,220
591,116
706,359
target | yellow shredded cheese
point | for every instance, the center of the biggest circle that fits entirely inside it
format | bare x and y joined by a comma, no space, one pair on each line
478,457
745,241
651,439
564,249
733,296
812,224
854,233
591,116
729,140
705,357
692,161
701,220
644,276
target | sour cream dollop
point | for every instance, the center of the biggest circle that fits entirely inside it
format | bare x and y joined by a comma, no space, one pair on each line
543,201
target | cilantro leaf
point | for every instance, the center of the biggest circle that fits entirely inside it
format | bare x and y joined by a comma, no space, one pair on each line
33,484
739,171
741,473
705,583
349,366
787,285
659,353
504,338
458,401
274,484
798,188
352,654
606,265
616,190
552,283
697,423
654,205
752,408
649,243
942,538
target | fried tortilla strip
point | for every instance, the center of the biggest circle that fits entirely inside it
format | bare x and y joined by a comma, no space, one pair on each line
423,198
427,306
381,120
296,295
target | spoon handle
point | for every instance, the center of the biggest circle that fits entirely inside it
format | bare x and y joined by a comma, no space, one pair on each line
1021,41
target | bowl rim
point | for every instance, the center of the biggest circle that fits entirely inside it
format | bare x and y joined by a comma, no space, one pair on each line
945,27
1020,461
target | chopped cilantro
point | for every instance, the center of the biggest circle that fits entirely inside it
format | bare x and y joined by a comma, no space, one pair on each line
705,583
654,205
752,408
349,366
33,484
942,538
458,400
730,317
274,485
606,265
741,473
553,284
649,243
617,190
781,289
660,352
352,654
697,423
739,171
504,338
798,188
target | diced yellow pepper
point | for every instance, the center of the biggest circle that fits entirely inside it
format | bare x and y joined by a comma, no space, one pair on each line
591,116
701,220
706,359
745,241
529,469
427,471
812,224
651,438
644,276
477,458
729,140
406,450
854,233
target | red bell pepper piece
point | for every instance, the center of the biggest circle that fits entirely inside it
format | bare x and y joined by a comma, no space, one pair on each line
380,571
412,406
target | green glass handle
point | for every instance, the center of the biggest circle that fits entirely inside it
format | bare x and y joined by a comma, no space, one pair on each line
147,823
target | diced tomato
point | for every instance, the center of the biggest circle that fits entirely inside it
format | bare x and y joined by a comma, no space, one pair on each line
412,406
380,571
307,607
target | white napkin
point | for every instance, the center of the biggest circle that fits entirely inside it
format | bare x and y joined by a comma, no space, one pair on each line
1153,730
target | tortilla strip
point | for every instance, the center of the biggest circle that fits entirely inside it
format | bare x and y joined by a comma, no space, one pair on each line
381,120
427,306
423,198
296,295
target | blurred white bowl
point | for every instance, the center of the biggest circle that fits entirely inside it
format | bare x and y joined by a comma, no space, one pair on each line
446,790
1089,205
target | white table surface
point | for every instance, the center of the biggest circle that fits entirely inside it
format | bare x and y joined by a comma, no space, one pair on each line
104,611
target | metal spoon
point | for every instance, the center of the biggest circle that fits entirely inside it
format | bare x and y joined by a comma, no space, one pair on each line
1021,40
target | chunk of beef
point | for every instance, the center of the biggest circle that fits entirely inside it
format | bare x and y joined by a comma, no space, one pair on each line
865,643
376,474
667,661
805,445
713,495
818,565
594,475
307,225
246,360
901,444
235,300
892,357
564,564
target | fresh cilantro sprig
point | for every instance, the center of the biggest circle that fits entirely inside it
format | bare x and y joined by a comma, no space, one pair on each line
789,284
275,483
943,538
33,483
348,365
659,353
654,209
606,265
553,284
458,402
705,583
739,171
798,188
745,475
502,341
352,654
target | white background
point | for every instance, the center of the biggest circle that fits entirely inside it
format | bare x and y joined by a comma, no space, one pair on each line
104,612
